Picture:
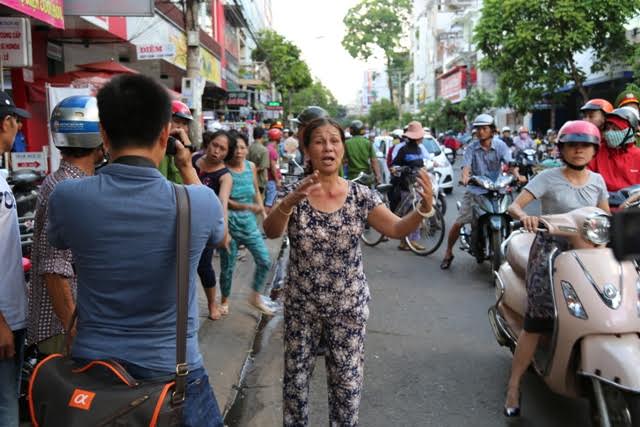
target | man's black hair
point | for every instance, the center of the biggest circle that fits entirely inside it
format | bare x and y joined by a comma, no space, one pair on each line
133,110
76,152
258,132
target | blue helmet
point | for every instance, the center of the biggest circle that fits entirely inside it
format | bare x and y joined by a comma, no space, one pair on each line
75,123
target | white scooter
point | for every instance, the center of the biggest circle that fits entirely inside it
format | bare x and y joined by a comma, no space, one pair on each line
594,349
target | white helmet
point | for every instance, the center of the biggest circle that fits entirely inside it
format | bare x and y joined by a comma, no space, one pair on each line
506,129
397,133
75,123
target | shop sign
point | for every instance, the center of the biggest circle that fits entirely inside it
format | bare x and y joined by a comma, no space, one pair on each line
238,99
15,42
107,8
54,51
274,106
48,11
155,51
210,67
32,160
451,86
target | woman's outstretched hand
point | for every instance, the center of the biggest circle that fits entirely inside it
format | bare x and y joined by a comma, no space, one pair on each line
425,190
302,191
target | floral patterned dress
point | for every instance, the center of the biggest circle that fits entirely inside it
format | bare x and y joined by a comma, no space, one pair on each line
326,294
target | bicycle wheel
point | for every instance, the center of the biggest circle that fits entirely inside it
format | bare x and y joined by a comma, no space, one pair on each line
370,236
431,234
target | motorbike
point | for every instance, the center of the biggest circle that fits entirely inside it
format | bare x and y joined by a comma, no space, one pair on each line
491,222
526,161
594,350
24,185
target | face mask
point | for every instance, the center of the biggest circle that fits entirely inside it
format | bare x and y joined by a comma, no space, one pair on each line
616,138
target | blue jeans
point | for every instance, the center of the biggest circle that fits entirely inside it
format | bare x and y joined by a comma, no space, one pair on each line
200,408
10,370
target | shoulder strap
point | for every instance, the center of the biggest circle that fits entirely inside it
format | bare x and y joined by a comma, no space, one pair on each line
183,232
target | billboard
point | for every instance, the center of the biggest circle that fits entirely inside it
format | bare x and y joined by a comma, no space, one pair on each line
49,11
108,8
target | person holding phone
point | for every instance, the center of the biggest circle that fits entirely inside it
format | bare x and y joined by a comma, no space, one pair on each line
181,118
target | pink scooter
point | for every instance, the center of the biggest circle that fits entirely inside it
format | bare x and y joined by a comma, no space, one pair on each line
594,349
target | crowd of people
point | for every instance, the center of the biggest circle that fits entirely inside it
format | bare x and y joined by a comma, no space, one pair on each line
104,249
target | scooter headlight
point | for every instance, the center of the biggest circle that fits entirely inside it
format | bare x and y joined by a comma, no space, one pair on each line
596,229
573,302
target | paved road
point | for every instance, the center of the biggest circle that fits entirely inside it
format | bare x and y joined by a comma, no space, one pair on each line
431,357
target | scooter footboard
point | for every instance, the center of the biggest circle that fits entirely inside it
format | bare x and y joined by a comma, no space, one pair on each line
612,358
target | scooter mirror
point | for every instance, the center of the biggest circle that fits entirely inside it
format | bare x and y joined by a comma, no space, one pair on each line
625,233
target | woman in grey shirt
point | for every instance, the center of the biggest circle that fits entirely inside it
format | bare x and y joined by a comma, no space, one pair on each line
560,190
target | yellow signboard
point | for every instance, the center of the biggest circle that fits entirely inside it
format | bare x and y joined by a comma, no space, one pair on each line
210,67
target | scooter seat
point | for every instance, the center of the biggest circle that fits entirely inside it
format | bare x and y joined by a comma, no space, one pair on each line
518,252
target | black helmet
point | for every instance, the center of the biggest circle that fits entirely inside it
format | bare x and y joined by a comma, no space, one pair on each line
484,120
356,127
626,114
310,113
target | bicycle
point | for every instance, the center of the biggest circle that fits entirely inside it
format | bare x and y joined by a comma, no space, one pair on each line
431,230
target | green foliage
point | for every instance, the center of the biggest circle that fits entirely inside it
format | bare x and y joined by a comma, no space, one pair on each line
441,115
635,64
476,102
530,45
288,71
316,94
383,114
378,24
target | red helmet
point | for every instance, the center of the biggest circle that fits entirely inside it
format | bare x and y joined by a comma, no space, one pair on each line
277,125
598,104
579,131
274,134
180,109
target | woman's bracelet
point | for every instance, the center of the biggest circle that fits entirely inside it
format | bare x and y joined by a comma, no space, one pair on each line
283,212
429,214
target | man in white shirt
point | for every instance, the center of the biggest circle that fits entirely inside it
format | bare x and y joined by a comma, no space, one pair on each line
13,291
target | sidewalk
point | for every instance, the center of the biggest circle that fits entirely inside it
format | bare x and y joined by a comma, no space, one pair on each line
226,343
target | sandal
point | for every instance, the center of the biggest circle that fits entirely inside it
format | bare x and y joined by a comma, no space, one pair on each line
446,263
224,309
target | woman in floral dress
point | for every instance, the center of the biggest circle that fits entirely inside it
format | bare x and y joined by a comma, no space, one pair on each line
326,293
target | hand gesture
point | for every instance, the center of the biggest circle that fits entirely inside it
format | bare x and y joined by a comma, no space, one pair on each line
530,223
302,191
425,190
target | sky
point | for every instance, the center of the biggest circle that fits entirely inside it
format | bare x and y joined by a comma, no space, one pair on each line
316,27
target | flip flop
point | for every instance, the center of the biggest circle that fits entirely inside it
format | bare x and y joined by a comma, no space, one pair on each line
446,263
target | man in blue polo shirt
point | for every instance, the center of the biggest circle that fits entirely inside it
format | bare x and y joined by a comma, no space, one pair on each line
484,157
120,226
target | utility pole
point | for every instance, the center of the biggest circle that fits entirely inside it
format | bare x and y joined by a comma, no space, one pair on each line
191,14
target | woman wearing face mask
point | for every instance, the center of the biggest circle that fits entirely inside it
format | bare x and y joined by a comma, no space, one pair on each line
618,160
559,190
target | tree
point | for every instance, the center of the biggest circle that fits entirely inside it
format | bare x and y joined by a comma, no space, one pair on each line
476,102
441,115
383,114
289,73
379,24
532,45
316,94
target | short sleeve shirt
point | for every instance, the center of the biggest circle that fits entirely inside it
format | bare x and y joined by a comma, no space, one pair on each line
273,157
259,156
359,153
486,162
326,275
43,323
120,226
13,290
557,195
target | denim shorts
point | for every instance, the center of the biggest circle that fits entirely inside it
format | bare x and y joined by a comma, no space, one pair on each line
10,370
271,194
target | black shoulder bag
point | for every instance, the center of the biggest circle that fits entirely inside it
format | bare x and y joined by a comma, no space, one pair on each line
102,392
